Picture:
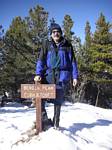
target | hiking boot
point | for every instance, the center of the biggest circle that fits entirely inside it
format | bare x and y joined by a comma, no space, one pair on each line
46,124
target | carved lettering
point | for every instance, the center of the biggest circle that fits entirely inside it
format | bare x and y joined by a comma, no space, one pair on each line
38,91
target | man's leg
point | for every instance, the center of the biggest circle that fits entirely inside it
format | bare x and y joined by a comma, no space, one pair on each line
57,106
46,122
56,119
44,116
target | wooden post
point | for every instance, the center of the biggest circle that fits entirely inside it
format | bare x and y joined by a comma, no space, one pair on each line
38,91
38,115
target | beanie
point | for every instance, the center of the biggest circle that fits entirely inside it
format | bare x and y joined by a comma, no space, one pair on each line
55,26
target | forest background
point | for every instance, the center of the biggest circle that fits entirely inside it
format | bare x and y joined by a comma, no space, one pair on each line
21,43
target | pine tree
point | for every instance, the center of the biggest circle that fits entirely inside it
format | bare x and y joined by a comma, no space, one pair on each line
87,35
86,55
15,62
101,50
102,34
37,25
67,26
100,61
22,43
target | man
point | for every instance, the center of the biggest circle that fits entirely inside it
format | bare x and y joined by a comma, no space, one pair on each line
58,59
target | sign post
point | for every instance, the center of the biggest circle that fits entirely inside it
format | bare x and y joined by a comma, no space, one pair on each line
38,91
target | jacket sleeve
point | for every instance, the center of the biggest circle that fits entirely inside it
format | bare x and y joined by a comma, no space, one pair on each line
40,65
74,65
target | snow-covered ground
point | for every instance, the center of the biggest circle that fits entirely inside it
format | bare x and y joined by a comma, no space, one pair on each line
82,127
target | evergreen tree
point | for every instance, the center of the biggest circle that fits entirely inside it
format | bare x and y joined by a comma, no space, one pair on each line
67,26
87,35
86,55
99,61
101,49
37,26
102,34
16,62
22,43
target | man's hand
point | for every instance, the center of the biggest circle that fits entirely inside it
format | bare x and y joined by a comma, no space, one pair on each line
37,78
74,82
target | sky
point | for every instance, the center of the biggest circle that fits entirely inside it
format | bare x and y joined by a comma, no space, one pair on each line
82,127
79,10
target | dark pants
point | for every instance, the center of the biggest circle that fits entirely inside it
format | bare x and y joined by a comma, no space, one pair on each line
46,122
56,118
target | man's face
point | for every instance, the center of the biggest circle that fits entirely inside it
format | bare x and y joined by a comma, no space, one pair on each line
56,35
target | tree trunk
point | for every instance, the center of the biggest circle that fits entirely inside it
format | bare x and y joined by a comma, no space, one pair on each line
97,100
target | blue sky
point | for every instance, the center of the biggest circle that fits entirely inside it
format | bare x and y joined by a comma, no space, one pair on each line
79,10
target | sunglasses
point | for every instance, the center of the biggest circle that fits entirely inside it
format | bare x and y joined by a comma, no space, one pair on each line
56,31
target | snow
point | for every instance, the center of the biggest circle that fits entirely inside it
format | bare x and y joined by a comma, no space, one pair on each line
82,127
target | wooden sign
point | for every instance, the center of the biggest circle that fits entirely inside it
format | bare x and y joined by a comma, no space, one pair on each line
38,91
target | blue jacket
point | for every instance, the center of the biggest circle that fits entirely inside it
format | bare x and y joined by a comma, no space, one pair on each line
66,62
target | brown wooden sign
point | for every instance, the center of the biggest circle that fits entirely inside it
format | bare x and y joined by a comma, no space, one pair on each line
38,91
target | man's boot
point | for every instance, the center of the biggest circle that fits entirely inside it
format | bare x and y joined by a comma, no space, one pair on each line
56,118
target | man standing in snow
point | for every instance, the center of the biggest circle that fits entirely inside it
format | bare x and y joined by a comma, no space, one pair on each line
57,58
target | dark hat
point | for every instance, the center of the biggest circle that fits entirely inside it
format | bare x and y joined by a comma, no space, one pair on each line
55,26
